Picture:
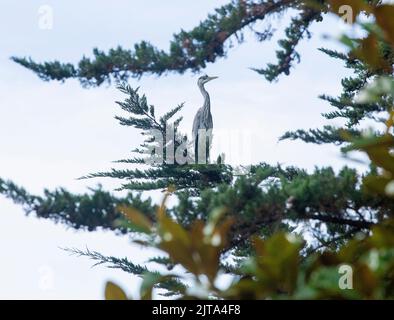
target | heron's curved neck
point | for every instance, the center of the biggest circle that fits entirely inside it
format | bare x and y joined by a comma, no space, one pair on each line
205,94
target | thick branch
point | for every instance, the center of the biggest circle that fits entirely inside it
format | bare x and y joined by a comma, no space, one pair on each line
360,224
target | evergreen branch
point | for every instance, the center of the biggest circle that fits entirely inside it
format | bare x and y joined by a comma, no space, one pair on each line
341,221
297,30
165,118
328,134
165,261
137,105
112,262
260,202
88,211
132,161
173,286
188,50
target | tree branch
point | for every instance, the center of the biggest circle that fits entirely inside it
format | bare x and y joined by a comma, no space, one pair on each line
188,50
361,224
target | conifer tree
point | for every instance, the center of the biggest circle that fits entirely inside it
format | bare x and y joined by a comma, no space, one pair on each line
266,199
192,50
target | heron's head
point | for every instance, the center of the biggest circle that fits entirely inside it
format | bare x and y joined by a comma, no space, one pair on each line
204,79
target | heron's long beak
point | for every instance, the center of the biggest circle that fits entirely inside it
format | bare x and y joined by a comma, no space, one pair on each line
211,78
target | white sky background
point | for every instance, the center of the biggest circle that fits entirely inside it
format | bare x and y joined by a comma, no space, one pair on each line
51,133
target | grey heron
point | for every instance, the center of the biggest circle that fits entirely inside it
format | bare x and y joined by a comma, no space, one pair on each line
203,124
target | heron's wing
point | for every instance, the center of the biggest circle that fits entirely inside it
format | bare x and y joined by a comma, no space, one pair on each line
197,123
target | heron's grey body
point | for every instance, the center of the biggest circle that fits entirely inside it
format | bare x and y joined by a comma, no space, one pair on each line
203,119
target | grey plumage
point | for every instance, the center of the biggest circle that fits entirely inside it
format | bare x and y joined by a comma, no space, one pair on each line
203,119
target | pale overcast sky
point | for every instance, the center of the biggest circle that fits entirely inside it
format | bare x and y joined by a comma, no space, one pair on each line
51,133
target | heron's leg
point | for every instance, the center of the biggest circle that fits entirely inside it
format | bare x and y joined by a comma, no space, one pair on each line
207,147
209,137
201,148
196,150
203,145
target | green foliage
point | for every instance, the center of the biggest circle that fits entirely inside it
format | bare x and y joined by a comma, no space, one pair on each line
90,211
277,269
297,30
112,262
376,51
369,57
188,50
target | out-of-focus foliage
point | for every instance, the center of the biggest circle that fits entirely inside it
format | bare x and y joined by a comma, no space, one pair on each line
114,292
363,268
376,51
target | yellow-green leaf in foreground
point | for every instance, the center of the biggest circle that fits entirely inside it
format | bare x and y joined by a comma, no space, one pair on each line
136,218
114,292
385,19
